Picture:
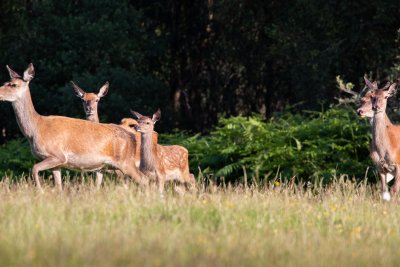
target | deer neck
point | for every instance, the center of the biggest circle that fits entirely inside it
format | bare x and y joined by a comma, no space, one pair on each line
93,117
380,137
148,150
27,117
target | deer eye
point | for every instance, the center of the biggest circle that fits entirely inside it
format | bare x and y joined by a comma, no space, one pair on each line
13,85
147,123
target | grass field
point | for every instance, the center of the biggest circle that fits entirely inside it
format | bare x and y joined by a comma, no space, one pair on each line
345,224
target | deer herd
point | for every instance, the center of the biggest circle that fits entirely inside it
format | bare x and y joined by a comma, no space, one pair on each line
131,148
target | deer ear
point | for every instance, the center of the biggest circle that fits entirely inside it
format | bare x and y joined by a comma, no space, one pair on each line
29,73
103,90
136,114
372,86
78,91
392,89
156,116
12,73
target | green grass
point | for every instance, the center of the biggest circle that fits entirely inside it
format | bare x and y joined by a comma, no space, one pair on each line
345,224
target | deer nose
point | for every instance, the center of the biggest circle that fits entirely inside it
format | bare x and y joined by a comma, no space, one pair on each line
360,111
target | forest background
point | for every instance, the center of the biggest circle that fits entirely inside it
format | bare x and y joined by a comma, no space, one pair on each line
250,87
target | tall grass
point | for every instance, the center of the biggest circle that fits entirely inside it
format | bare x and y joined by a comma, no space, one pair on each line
289,224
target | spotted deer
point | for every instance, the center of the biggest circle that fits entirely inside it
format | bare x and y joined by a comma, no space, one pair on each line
90,103
161,162
62,142
385,146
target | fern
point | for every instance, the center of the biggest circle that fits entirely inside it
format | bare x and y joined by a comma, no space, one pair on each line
311,146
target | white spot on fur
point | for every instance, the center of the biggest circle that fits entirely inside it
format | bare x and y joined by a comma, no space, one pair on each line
389,177
386,196
174,174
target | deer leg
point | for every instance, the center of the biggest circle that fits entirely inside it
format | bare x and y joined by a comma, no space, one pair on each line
46,164
135,175
161,182
99,179
57,178
385,191
396,185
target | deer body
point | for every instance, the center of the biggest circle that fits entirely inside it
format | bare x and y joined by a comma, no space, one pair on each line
90,106
161,162
386,138
67,142
365,111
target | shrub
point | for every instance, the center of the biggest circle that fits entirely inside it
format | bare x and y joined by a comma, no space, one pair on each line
15,158
311,146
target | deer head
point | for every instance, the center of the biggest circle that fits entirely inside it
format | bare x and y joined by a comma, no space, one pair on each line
129,123
14,89
368,94
145,123
380,96
90,100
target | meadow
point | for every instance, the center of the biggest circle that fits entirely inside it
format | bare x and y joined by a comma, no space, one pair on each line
271,224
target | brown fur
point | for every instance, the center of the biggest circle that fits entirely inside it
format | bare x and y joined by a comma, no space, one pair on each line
129,124
90,105
62,142
385,147
161,162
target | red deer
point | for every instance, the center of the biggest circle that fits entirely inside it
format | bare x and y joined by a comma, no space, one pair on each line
90,103
365,111
129,124
90,100
62,142
161,162
385,147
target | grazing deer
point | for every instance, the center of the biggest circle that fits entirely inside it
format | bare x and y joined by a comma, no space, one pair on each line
385,148
62,142
90,103
365,111
162,162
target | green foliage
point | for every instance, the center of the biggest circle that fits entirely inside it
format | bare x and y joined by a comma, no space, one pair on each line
15,158
317,145
312,146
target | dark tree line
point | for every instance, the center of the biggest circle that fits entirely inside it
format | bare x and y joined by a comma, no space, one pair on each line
195,60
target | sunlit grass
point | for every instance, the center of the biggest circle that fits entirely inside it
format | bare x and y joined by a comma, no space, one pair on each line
345,224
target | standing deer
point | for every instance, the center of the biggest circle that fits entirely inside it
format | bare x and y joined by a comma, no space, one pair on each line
385,147
90,103
162,162
365,111
62,142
